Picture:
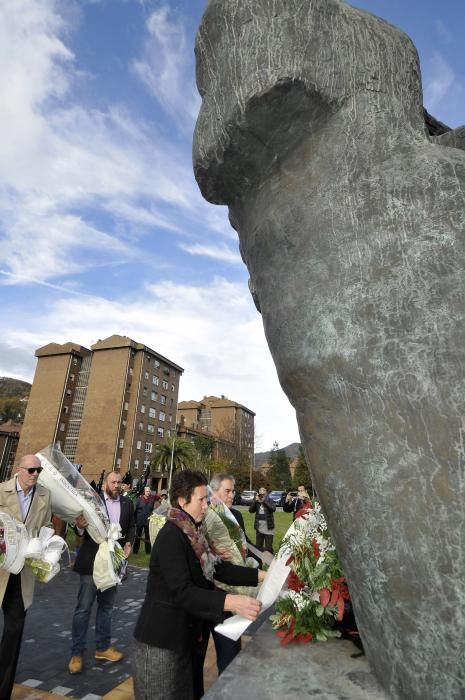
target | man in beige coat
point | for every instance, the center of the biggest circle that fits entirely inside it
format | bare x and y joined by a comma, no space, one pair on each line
29,502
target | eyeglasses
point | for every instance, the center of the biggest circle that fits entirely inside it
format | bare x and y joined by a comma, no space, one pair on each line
32,470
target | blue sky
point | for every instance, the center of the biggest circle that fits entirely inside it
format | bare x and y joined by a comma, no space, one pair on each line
102,227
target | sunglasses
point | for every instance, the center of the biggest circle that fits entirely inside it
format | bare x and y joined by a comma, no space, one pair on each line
32,470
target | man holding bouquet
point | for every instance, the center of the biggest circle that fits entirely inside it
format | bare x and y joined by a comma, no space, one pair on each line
120,511
28,502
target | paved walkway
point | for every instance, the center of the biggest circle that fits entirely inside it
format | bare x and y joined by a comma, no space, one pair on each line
43,665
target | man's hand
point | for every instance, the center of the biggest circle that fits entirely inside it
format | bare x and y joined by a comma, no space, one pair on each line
225,554
262,575
81,522
127,549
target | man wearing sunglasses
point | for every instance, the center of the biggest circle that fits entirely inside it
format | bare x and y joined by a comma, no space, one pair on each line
29,502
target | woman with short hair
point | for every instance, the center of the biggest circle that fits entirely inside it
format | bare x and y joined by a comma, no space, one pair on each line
181,604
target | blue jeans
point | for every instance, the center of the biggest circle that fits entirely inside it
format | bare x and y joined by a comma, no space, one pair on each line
86,597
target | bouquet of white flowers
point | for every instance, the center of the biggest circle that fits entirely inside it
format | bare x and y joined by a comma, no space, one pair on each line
13,543
71,494
43,554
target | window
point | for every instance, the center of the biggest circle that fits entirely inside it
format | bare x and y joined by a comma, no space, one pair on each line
172,387
136,464
152,413
170,418
118,465
154,396
146,375
141,426
142,409
74,360
71,377
148,447
144,391
131,371
160,432
121,443
62,426
126,406
155,380
161,416
163,399
166,371
167,433
65,409
146,464
123,423
157,364
138,445
68,392
165,384
150,428
171,403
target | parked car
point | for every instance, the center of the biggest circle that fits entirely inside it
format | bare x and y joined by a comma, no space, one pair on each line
248,497
278,497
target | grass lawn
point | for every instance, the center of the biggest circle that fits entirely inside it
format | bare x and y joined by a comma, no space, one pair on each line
282,522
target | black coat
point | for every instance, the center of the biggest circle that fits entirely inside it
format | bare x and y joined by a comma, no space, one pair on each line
270,507
84,563
179,597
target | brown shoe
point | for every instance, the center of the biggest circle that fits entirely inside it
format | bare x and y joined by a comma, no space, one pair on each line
110,654
75,665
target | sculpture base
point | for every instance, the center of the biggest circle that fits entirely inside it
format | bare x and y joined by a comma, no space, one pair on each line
264,670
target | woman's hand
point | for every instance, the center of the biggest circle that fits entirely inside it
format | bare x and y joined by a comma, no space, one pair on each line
242,605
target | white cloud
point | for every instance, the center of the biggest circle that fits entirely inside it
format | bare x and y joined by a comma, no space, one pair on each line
213,331
439,79
57,157
166,66
218,252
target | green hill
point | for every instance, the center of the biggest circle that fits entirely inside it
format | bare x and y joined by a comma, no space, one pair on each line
13,393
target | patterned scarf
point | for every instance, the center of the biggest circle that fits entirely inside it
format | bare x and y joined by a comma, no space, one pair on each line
196,536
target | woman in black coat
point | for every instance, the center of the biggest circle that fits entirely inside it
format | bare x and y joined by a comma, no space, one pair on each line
181,603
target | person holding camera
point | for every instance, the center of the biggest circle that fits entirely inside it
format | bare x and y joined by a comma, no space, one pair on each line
296,501
263,507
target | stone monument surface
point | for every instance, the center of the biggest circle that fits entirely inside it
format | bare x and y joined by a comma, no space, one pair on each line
351,219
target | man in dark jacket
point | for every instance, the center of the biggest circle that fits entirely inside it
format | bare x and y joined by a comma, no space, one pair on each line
120,510
144,508
263,507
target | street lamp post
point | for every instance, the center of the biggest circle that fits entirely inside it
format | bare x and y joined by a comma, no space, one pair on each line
171,465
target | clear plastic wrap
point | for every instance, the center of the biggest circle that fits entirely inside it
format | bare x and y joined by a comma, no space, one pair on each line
71,494
13,543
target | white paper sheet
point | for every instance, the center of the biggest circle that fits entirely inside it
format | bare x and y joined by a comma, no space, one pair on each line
236,625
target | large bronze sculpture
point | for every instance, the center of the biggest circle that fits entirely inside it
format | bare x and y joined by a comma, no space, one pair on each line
351,219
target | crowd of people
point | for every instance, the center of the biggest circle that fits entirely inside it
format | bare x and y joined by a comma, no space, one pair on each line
182,602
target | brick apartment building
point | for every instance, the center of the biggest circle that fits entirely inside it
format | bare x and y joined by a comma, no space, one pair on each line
107,406
226,420
9,438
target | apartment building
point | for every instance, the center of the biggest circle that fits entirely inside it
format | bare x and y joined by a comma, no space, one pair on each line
222,418
107,406
9,438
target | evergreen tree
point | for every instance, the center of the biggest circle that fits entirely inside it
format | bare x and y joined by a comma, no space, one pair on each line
302,472
279,475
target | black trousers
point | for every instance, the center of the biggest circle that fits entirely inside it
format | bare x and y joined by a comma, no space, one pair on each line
14,616
264,541
226,650
145,530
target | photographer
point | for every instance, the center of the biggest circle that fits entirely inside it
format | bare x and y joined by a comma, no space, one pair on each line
295,501
263,507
